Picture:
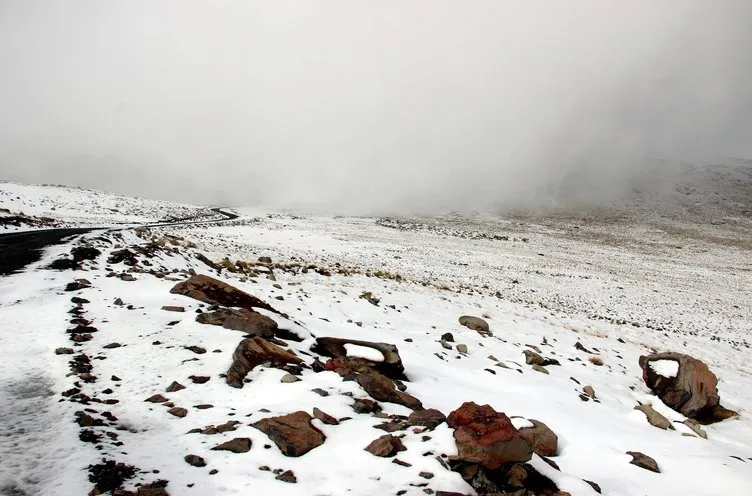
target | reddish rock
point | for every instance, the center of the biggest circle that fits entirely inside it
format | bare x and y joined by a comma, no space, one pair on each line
324,417
175,386
157,398
213,291
391,365
251,323
693,392
293,434
430,418
237,445
386,446
543,440
252,352
382,388
178,411
487,437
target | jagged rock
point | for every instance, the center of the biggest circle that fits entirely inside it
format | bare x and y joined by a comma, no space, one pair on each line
77,285
695,426
157,398
386,446
199,379
175,386
293,434
237,445
324,417
391,365
654,418
430,418
476,324
178,411
643,461
366,406
393,426
195,461
487,437
543,440
693,391
213,291
287,476
381,388
252,352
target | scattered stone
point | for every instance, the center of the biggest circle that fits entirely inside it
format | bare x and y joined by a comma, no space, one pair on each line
399,462
320,392
695,426
251,323
77,285
178,411
214,291
293,434
255,351
64,351
462,348
643,461
366,406
447,336
203,406
391,365
426,475
175,386
386,446
199,379
79,301
171,308
588,390
370,298
195,461
289,378
539,368
446,345
237,445
112,346
654,418
110,475
196,349
324,417
543,440
430,418
476,324
287,476
380,388
157,398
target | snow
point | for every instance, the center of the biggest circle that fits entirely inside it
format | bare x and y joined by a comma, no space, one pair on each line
666,368
617,300
354,350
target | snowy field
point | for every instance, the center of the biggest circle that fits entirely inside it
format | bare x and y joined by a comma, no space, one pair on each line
591,292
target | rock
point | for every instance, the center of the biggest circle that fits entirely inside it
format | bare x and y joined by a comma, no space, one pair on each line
430,418
476,324
237,445
79,301
462,348
370,298
539,368
213,291
391,365
157,398
445,344
393,426
112,346
426,475
77,285
195,460
64,351
386,446
692,424
199,379
170,308
251,323
543,440
693,391
324,417
643,461
320,392
265,260
175,386
196,349
447,336
252,352
293,434
178,411
654,418
366,406
287,476
588,390
381,388
487,437
289,378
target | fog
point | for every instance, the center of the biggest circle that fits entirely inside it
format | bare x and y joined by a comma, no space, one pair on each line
372,106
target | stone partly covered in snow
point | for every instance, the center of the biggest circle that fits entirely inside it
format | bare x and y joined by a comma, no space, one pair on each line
293,434
213,291
237,445
251,323
643,461
654,418
430,418
386,446
381,388
476,324
689,387
382,357
543,440
252,352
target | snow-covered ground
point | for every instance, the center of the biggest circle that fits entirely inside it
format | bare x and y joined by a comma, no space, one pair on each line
620,288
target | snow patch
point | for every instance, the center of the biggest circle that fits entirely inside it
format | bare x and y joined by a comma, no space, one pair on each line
666,368
354,350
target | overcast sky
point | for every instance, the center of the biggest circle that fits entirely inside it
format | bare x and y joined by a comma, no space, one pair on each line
370,105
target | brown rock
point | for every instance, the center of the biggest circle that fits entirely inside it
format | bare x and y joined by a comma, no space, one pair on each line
391,366
237,445
293,434
287,476
252,352
324,417
654,418
643,461
195,460
175,386
178,411
213,291
251,323
430,418
386,446
366,406
382,389
543,440
157,398
171,308
487,437
476,324
199,379
694,390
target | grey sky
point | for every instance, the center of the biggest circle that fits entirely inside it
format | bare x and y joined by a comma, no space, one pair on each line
371,105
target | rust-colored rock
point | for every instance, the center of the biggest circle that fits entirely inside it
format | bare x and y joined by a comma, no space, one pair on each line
487,437
293,434
543,440
391,366
213,291
237,445
386,446
693,392
252,352
251,323
324,417
381,388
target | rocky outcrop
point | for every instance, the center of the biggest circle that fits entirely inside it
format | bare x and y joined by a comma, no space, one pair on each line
293,434
691,391
213,291
391,365
252,352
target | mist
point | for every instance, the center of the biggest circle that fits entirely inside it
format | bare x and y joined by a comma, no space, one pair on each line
362,107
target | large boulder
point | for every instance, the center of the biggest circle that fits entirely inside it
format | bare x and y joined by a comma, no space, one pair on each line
388,362
252,352
213,291
293,434
487,437
684,384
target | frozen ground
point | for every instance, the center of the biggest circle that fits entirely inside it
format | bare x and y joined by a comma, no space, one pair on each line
620,284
